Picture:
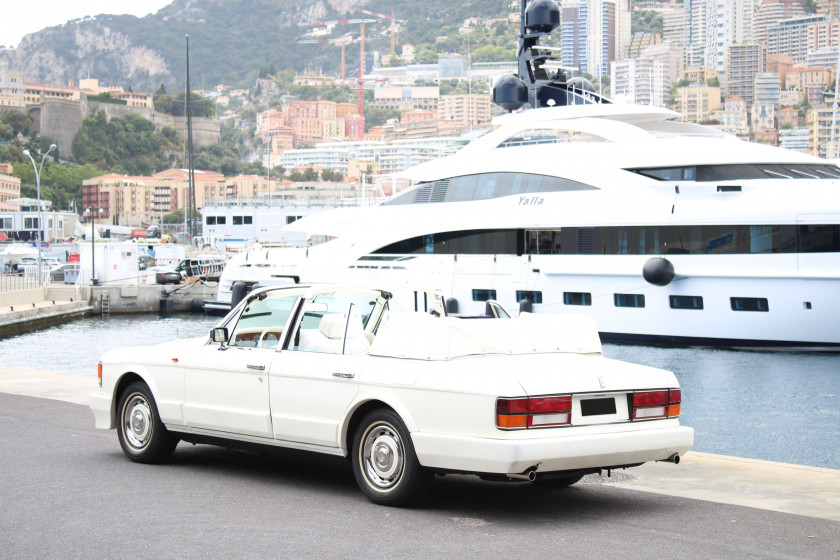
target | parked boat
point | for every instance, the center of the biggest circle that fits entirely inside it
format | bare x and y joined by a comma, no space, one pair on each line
666,232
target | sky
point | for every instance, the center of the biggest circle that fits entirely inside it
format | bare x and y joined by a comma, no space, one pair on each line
23,17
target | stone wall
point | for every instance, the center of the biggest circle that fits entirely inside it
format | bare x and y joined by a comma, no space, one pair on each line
59,119
62,119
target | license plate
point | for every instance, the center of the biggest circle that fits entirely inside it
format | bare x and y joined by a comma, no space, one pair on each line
597,407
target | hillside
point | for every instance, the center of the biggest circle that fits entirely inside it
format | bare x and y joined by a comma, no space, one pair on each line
230,40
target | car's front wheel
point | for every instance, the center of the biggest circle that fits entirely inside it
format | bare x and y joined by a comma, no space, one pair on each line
384,462
143,437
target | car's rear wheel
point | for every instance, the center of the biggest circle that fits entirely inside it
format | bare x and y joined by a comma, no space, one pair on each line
559,481
384,462
142,435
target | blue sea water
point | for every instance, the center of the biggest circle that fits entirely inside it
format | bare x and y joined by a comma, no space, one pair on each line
763,405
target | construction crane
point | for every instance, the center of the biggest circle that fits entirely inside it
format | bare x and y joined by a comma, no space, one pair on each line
393,21
360,94
342,41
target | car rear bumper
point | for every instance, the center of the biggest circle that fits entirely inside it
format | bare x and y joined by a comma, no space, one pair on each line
503,456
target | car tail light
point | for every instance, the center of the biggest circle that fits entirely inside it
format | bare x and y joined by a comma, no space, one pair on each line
664,403
533,412
99,373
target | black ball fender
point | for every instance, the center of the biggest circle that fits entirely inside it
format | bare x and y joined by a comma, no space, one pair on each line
658,271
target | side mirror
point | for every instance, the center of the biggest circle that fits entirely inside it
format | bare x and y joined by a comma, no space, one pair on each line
219,334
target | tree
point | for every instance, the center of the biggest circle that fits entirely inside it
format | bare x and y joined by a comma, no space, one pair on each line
426,56
128,145
331,176
177,217
15,122
647,21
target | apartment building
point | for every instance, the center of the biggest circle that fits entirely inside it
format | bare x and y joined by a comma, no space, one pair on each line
699,75
791,97
698,103
768,12
825,57
463,112
9,186
405,98
767,89
594,33
640,80
733,117
641,41
671,55
137,200
810,81
795,139
673,28
744,62
34,93
788,117
823,34
780,64
820,124
790,36
763,117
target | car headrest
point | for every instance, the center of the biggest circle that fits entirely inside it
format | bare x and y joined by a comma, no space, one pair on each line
332,326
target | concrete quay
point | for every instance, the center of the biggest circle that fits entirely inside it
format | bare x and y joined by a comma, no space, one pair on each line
27,310
779,487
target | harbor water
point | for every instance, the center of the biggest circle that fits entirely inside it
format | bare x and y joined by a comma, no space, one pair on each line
762,405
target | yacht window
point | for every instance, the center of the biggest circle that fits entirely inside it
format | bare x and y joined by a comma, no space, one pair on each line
237,220
248,220
483,295
631,240
629,300
220,220
740,171
749,304
210,220
577,298
533,297
686,302
819,238
485,186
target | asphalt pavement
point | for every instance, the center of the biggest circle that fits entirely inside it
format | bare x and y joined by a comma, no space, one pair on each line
67,491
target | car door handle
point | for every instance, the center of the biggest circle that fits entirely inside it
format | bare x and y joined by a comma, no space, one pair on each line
344,375
256,367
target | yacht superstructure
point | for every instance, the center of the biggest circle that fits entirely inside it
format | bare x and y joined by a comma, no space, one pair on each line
665,232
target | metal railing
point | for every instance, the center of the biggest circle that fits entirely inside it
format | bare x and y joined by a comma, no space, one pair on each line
11,282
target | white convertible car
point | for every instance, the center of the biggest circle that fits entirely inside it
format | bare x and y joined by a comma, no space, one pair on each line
387,379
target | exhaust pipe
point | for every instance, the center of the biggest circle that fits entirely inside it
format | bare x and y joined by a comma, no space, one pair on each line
530,475
675,458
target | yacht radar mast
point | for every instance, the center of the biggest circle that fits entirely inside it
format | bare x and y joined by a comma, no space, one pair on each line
542,80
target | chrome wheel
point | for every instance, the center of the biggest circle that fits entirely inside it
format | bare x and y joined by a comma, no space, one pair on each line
137,421
382,455
384,462
143,437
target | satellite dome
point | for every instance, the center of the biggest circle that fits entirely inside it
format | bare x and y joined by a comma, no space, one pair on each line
542,16
510,92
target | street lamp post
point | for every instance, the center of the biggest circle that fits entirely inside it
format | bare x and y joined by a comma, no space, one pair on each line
92,212
38,192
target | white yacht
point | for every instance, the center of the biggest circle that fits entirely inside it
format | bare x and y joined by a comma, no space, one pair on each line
665,232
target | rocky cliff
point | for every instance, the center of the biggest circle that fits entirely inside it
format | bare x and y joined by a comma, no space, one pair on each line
230,40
